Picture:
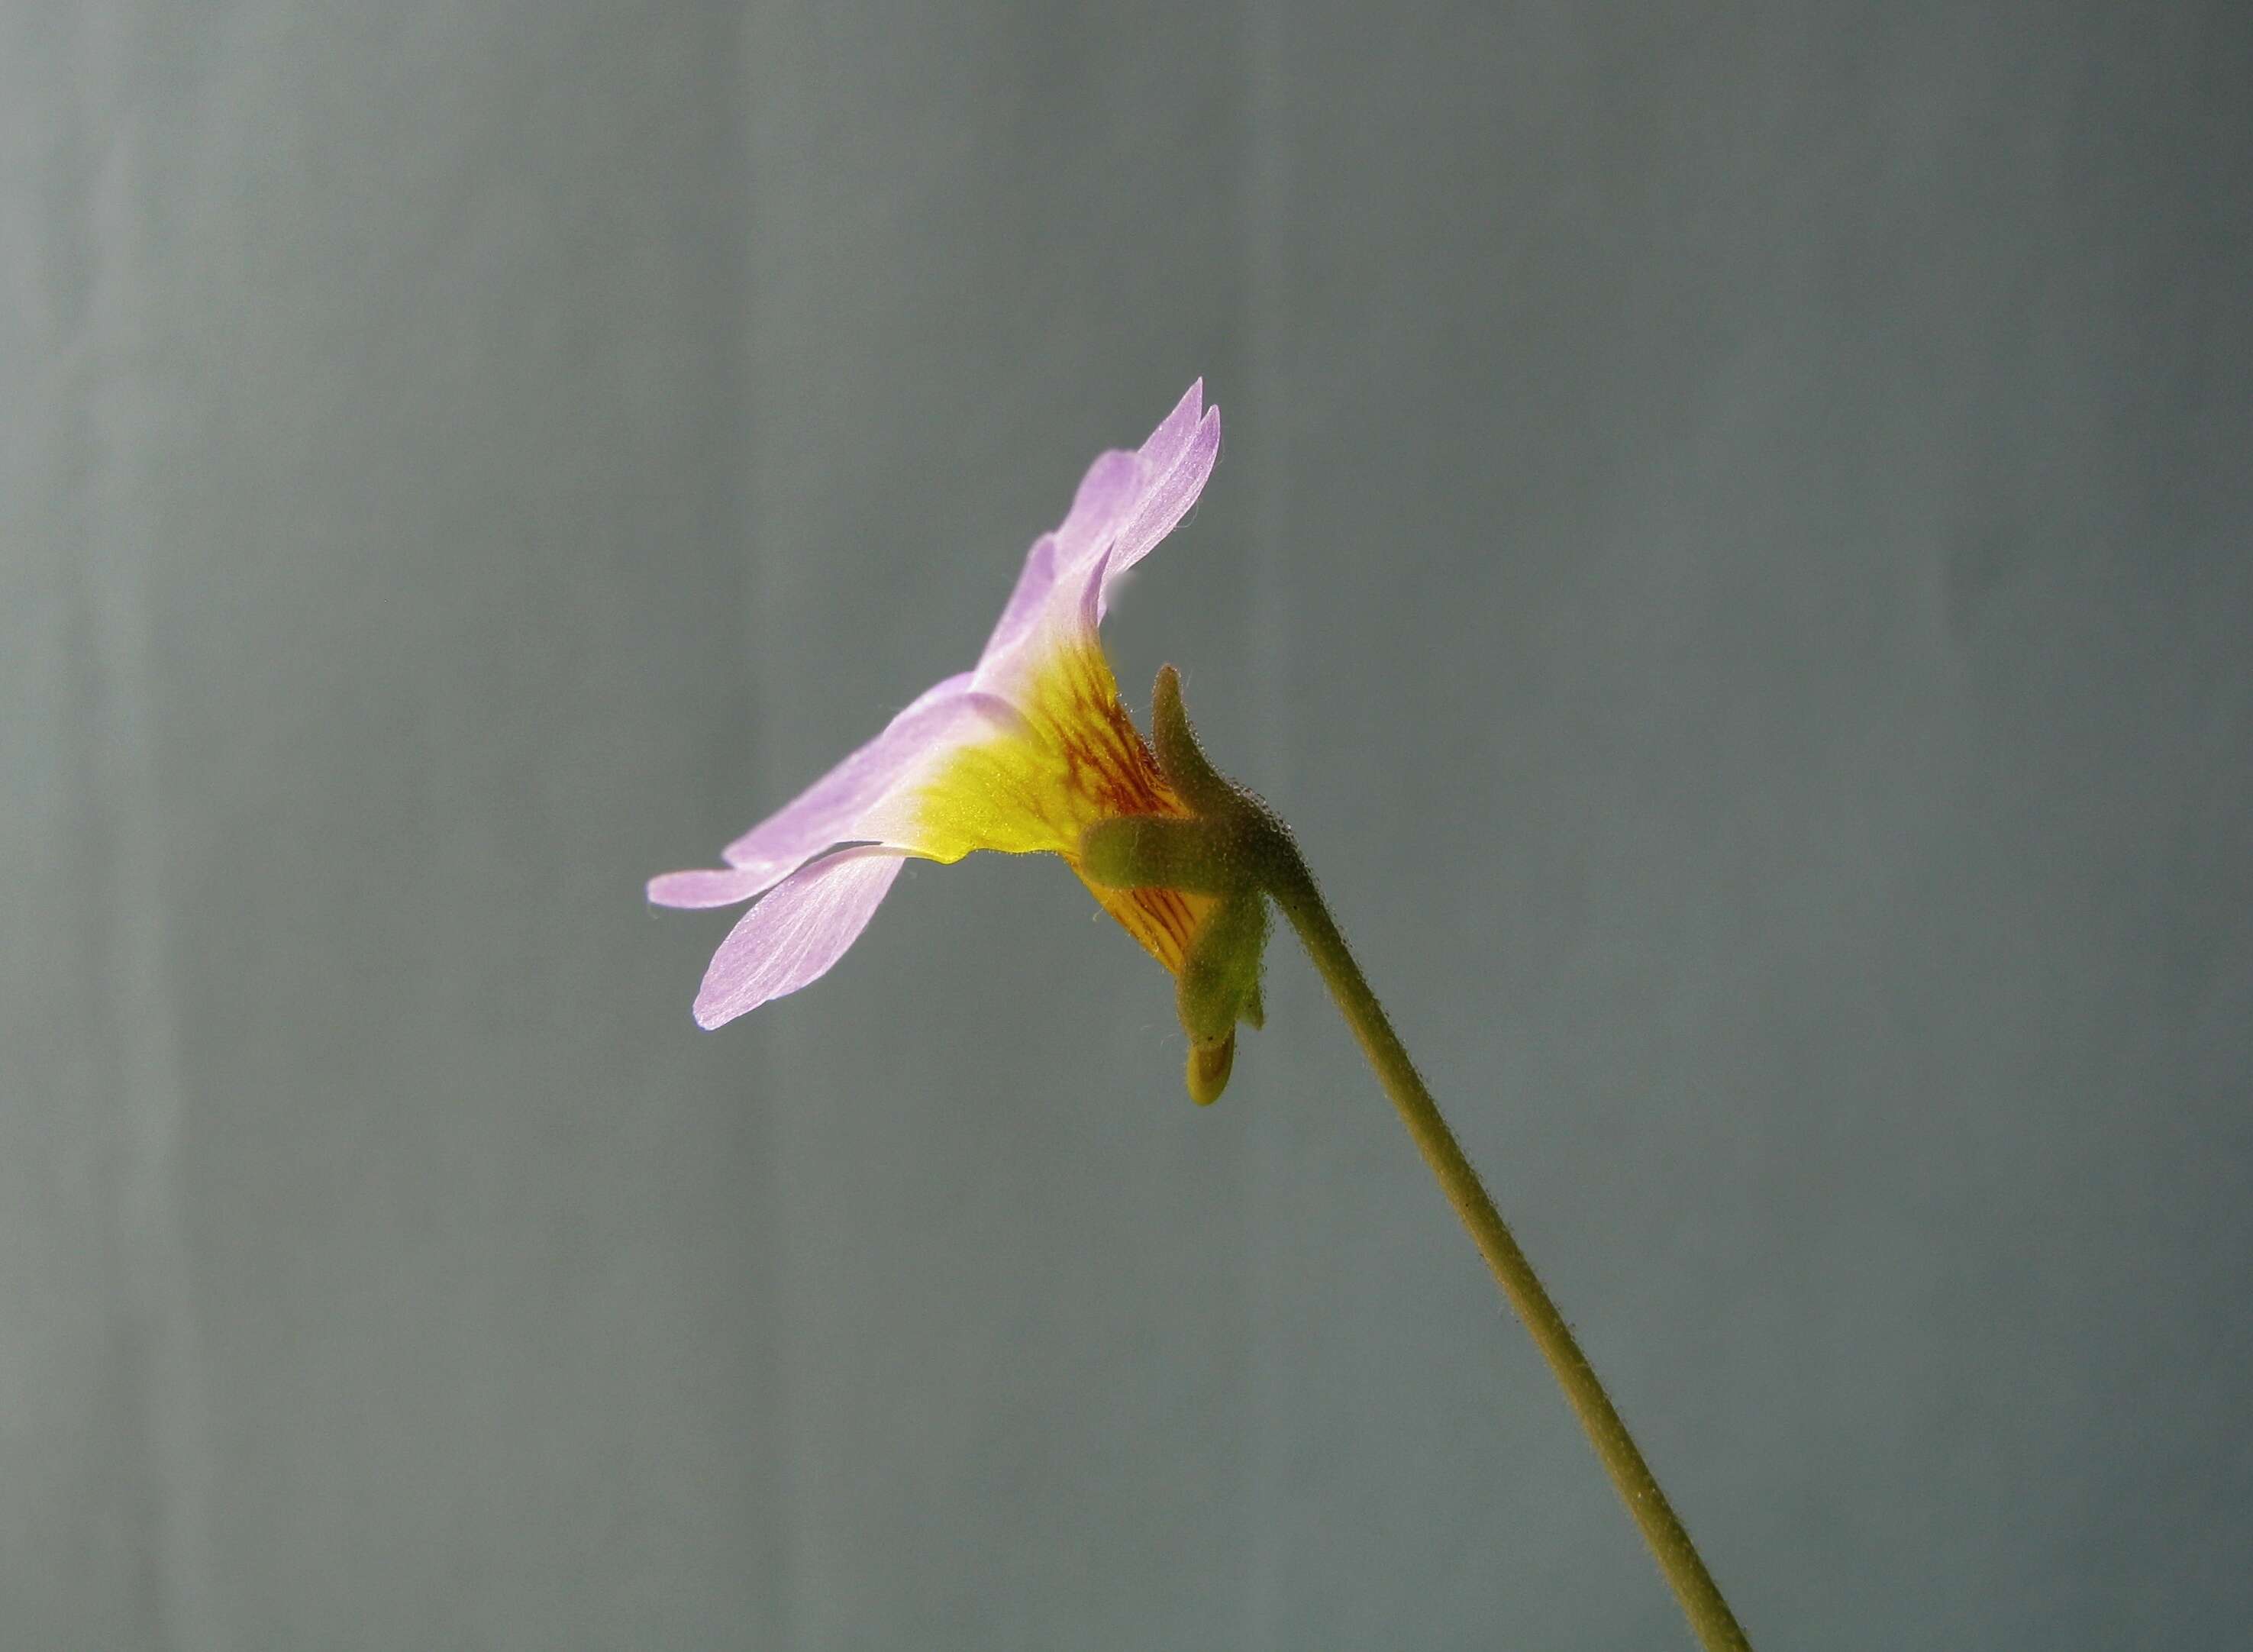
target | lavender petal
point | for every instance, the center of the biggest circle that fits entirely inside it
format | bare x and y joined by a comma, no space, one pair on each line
796,934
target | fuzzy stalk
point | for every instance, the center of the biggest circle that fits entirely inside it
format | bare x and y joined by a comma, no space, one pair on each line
1293,888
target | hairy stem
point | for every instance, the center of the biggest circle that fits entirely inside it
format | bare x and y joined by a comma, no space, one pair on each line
1293,888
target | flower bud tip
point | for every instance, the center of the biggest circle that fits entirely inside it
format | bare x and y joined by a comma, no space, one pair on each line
1208,1068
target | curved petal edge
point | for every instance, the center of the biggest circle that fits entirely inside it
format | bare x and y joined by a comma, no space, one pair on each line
797,934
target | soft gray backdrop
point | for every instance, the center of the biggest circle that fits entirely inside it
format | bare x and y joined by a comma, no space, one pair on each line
1731,547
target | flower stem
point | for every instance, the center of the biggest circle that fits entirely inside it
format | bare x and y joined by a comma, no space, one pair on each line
1293,888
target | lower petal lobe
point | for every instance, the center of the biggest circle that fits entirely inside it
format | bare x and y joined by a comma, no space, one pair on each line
797,934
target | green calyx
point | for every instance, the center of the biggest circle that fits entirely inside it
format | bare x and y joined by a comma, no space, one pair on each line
1225,848
1180,758
1219,986
1158,852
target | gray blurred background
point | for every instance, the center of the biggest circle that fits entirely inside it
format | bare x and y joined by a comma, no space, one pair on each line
1732,548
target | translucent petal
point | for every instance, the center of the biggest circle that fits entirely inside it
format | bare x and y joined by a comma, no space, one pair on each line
1165,499
797,933
1034,581
1108,495
819,816
702,888
1167,443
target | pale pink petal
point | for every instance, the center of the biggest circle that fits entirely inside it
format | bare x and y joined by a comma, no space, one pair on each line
1055,571
1065,615
1033,582
1108,494
1171,438
847,806
1126,504
796,934
819,815
1111,489
1167,498
700,888
944,689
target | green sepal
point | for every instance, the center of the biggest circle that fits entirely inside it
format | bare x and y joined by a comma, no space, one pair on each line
1180,758
1160,852
1220,973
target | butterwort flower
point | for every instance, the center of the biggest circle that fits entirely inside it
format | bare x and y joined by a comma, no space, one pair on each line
1022,754
1030,751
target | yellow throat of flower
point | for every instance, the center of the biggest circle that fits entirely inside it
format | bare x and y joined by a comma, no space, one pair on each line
1077,759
